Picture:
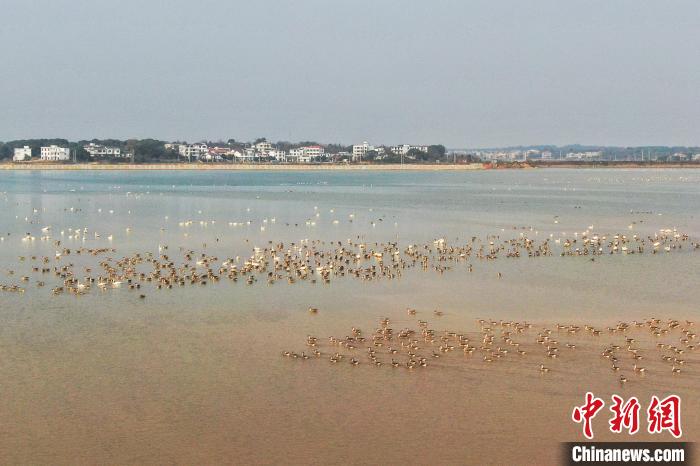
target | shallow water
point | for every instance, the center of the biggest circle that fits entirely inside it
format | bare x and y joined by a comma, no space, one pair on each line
194,375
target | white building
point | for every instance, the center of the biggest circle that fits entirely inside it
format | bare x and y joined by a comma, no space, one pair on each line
263,147
97,150
211,157
247,155
193,151
588,155
360,150
532,154
55,153
295,155
306,154
22,154
219,153
404,149
278,155
314,152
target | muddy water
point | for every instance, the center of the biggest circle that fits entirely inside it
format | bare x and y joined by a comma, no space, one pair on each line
195,375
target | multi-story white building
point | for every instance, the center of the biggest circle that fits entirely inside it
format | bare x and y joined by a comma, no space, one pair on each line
193,151
278,155
404,149
55,153
306,154
295,155
401,149
263,147
97,150
22,154
314,152
360,150
248,155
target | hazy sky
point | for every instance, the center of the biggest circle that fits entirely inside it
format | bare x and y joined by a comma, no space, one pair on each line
464,73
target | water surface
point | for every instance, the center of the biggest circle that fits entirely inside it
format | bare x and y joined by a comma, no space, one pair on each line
194,375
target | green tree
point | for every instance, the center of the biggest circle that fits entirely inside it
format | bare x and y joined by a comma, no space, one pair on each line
436,152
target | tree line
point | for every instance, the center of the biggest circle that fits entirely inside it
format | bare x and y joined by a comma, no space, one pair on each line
133,150
154,150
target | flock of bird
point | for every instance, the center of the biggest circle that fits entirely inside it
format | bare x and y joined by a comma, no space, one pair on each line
421,345
313,261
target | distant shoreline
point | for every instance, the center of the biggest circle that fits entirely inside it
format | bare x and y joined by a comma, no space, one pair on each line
323,167
232,167
622,164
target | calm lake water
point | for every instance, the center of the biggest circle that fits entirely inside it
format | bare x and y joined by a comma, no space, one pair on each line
194,375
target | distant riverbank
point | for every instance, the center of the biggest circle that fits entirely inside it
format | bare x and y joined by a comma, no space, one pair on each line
215,166
622,164
308,167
